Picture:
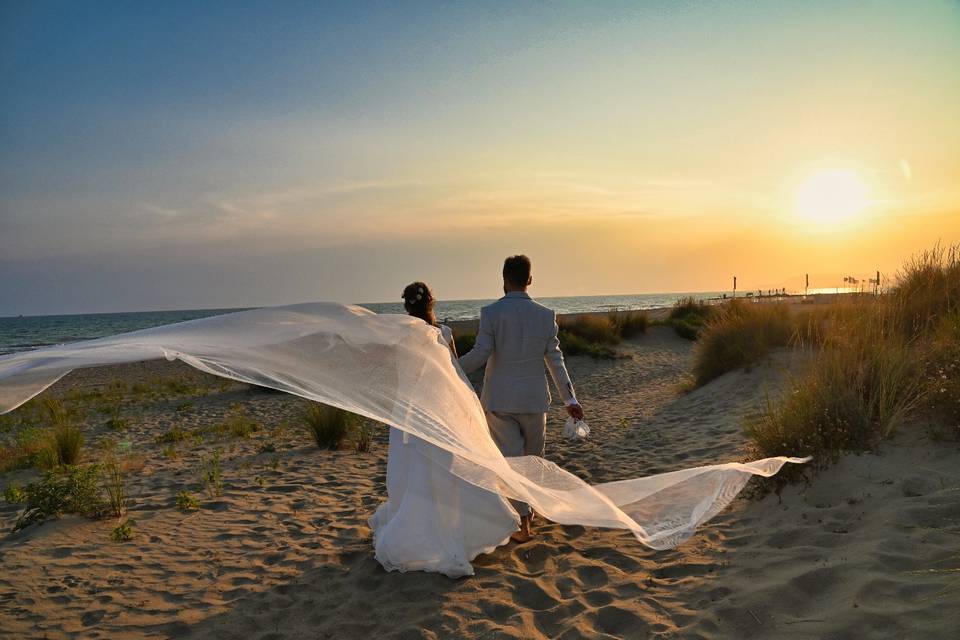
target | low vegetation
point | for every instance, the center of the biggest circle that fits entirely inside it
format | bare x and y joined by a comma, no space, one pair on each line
875,365
329,426
71,490
630,324
114,485
739,334
123,532
363,437
238,423
688,317
211,476
598,335
186,502
14,494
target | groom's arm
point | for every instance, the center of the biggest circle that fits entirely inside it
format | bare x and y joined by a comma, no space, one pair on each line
482,348
558,371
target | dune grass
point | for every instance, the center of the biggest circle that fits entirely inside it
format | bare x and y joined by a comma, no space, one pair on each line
591,328
877,363
597,335
328,426
629,324
739,334
688,317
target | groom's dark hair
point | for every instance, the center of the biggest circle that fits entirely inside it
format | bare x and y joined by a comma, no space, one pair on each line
516,270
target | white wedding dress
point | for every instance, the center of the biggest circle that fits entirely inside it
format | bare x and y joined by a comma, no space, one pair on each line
448,484
433,520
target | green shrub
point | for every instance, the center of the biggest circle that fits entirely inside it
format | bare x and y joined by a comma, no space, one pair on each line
688,328
329,426
186,502
14,494
739,335
688,316
123,532
74,490
574,345
211,475
629,324
464,342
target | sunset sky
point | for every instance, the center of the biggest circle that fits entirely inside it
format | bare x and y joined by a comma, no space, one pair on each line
189,155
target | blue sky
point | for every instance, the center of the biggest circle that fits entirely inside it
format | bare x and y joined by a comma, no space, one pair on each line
175,154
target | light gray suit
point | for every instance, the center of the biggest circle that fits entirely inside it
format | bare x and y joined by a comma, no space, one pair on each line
517,337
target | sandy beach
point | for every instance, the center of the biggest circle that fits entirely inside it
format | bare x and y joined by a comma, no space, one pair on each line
866,550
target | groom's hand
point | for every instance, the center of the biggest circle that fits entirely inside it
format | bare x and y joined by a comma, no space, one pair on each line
575,411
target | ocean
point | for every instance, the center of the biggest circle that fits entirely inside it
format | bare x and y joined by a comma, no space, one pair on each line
31,332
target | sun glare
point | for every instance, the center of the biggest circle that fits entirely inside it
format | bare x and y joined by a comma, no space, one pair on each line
831,197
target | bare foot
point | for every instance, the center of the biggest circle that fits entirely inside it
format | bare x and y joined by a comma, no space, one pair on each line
525,534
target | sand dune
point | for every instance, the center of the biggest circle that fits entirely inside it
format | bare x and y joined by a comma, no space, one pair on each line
285,551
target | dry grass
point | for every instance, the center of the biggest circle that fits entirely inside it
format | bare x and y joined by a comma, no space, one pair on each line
629,324
594,329
328,426
877,363
739,334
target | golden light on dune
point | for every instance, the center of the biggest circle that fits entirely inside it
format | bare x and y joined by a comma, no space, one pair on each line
830,197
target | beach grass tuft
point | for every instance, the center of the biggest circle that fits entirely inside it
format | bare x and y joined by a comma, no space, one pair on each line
329,426
688,316
363,436
739,334
114,486
629,324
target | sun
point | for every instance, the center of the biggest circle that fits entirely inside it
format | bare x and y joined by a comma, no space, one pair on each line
831,197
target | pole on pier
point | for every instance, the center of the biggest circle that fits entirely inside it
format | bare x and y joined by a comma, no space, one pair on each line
806,289
734,286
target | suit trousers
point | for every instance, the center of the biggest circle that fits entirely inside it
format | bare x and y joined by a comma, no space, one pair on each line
518,434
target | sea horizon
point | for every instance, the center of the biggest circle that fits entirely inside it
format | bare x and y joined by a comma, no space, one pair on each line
20,333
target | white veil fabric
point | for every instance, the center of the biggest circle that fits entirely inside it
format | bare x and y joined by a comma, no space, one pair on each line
396,370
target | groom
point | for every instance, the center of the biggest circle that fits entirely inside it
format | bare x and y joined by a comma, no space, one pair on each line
516,337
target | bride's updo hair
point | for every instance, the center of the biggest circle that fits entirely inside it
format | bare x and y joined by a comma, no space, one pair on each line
418,301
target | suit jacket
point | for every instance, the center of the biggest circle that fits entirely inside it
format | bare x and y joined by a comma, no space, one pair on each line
517,337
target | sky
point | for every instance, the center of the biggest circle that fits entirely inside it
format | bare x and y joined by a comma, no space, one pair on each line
231,154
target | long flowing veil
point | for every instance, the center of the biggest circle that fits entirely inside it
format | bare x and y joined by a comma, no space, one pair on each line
396,370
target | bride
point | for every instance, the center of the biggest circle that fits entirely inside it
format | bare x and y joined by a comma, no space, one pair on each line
447,481
433,520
